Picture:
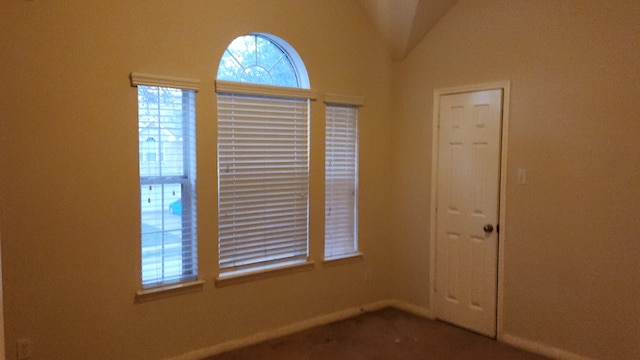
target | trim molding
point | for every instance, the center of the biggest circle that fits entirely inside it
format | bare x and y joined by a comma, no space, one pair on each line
505,86
340,99
541,349
168,291
299,326
264,90
515,341
137,78
410,308
242,277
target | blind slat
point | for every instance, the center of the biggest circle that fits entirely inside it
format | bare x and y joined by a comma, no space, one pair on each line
341,180
263,172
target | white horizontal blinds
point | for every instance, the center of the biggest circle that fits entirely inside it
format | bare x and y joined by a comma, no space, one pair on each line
263,167
166,129
341,180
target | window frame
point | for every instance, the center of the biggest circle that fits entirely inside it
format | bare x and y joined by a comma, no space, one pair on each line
237,86
335,239
188,281
265,92
298,67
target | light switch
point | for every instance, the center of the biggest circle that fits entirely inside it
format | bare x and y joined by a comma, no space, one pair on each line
522,176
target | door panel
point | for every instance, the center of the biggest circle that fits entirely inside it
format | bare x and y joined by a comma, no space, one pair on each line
467,200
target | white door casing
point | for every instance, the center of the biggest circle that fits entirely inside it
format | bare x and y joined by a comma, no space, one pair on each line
467,207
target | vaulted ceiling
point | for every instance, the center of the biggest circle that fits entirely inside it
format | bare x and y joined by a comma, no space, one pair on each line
403,23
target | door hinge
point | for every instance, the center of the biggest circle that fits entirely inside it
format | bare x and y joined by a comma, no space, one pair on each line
498,228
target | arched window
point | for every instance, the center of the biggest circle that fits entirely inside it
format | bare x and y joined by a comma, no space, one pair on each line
263,156
263,59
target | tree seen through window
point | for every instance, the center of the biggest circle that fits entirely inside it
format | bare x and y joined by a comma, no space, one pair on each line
256,59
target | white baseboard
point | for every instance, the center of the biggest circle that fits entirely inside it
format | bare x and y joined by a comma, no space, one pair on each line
539,348
512,340
410,308
303,325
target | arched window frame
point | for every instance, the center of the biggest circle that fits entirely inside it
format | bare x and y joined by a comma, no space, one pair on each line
267,114
298,67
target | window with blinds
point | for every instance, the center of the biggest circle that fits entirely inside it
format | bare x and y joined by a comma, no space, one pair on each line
166,131
341,177
263,169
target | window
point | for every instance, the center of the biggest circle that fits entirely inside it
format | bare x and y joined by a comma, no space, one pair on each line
166,132
341,177
262,59
263,156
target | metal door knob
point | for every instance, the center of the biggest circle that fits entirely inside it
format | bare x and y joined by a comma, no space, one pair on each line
488,228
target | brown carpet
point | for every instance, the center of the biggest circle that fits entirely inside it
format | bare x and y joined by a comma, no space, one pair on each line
384,334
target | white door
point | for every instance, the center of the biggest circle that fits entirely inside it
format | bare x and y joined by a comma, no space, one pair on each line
467,209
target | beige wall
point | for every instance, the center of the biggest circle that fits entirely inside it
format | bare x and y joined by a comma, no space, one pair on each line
572,245
69,188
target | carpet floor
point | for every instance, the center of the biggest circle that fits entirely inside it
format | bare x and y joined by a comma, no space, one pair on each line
385,334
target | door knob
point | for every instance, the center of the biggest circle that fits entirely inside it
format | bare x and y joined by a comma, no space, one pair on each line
488,228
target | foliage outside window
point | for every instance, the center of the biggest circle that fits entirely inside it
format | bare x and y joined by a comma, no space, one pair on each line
256,59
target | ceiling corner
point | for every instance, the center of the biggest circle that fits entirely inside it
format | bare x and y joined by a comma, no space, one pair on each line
403,23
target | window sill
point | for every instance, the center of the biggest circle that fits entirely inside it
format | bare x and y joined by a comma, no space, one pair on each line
238,278
347,259
169,291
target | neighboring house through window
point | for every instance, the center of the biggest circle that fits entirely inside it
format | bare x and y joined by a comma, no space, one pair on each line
263,155
150,151
166,130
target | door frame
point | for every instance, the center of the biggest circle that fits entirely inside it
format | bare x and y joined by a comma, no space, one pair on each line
505,86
